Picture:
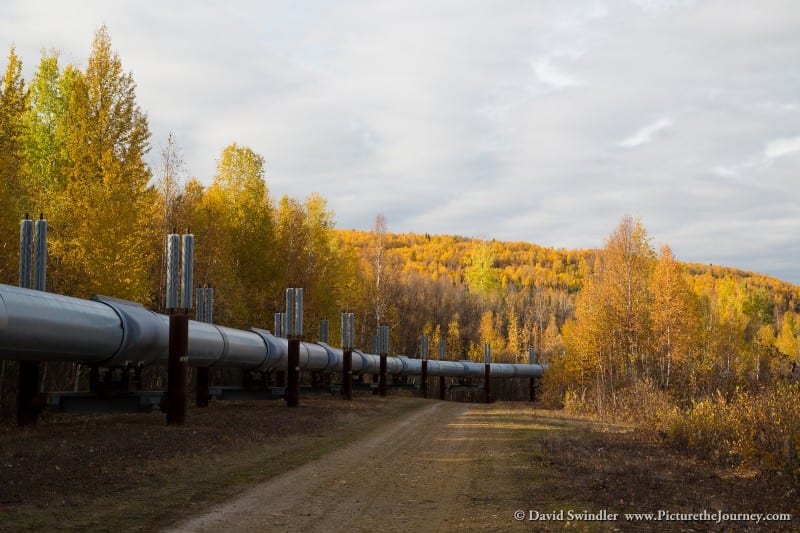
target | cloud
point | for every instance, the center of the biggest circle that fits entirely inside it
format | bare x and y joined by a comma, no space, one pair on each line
502,120
547,74
661,6
782,147
645,135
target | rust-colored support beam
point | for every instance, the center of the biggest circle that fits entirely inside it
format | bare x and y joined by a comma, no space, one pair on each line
176,368
201,392
293,373
28,387
487,383
382,381
347,374
94,379
424,382
442,388
533,389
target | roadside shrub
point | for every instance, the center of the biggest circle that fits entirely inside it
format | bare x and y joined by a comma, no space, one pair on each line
705,429
575,402
762,429
774,428
645,405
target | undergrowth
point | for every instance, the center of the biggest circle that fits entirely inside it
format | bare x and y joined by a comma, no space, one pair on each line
752,428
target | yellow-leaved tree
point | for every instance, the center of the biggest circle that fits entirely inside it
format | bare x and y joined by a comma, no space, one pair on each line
609,342
102,239
235,237
13,104
675,320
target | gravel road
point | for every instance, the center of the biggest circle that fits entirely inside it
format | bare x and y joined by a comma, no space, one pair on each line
412,475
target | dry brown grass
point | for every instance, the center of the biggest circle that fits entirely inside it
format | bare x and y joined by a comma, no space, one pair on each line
554,461
132,472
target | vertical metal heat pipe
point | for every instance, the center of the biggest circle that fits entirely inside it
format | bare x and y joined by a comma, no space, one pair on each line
201,395
383,342
487,378
532,360
40,255
25,243
28,376
294,317
173,264
348,321
442,357
187,270
424,347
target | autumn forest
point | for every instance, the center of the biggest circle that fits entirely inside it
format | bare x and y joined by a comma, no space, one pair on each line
703,355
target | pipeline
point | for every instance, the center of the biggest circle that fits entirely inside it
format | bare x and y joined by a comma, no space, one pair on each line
109,332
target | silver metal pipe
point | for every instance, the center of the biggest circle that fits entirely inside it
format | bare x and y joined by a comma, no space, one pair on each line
173,265
187,270
40,255
38,326
25,241
104,331
200,309
208,300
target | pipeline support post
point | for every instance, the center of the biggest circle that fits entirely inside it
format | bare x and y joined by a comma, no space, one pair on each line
382,386
177,368
293,373
347,374
487,379
424,352
28,377
348,334
424,379
442,349
180,253
27,412
487,387
201,392
383,343
293,326
94,379
203,313
532,361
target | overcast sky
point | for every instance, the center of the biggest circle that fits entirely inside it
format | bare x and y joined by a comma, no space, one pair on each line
542,121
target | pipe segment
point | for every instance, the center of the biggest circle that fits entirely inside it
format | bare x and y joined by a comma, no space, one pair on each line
105,331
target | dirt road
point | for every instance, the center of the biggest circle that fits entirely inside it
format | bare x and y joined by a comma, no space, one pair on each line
399,464
417,474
